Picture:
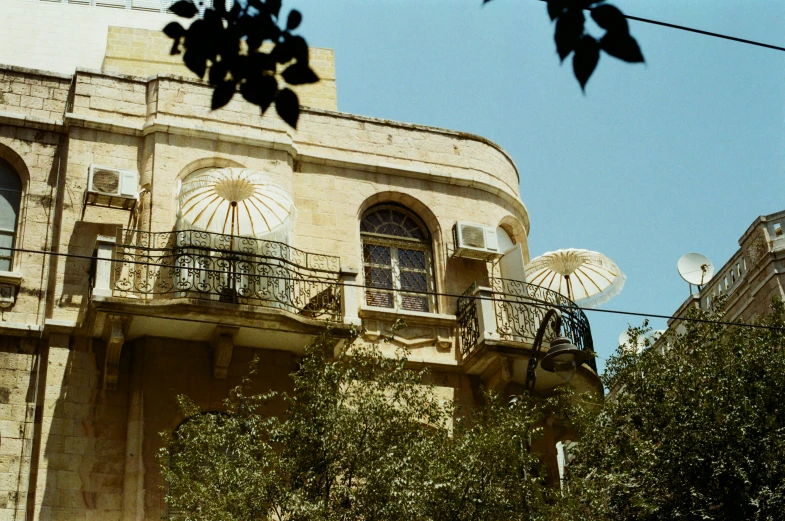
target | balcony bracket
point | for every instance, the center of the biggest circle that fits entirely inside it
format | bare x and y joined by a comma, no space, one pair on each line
502,376
114,337
223,345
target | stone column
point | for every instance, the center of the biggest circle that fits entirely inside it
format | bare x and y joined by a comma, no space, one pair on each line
350,303
104,248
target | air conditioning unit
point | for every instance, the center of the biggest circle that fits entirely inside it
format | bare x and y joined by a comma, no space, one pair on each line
113,182
475,241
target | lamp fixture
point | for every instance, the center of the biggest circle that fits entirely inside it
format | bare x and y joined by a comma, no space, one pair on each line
562,358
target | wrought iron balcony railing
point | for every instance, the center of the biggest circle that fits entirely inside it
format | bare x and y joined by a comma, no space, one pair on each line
517,310
210,266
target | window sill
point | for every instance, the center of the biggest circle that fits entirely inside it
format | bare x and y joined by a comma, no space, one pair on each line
417,317
11,277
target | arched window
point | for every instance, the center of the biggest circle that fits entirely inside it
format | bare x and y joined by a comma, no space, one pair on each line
10,197
397,259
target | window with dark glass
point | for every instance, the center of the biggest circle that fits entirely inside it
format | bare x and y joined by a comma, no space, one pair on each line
397,259
10,198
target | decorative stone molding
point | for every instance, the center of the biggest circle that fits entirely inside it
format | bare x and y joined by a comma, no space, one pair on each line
9,287
223,345
412,336
114,337
7,295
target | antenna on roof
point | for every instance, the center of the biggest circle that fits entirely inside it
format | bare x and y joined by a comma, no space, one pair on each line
695,269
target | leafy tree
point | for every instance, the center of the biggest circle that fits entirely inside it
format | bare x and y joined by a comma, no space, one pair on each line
230,44
363,437
693,431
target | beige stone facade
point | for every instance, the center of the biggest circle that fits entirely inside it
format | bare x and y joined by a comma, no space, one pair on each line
105,316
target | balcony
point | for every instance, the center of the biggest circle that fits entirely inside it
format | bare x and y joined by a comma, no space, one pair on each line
497,325
222,289
224,268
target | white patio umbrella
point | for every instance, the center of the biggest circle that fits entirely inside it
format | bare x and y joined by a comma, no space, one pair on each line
586,277
235,201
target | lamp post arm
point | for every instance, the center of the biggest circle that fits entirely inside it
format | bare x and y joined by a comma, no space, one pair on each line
531,375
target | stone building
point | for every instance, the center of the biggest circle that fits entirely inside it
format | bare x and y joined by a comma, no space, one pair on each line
150,247
751,277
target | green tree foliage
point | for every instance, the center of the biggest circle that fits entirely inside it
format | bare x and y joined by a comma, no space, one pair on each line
363,438
694,431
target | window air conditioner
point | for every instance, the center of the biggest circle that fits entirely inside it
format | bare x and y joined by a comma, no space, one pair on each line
475,241
113,182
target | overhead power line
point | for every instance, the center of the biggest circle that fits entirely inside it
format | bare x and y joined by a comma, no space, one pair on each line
529,300
700,31
706,33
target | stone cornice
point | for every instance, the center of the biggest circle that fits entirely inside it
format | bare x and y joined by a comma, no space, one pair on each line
27,121
318,154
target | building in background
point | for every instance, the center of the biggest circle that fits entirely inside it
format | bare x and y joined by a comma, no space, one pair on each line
751,277
149,247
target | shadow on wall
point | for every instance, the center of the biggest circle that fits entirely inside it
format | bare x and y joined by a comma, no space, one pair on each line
17,396
77,269
81,452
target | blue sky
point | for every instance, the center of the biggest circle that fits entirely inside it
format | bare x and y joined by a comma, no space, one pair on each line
656,160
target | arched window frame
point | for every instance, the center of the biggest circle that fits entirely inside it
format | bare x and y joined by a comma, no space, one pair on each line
397,264
11,191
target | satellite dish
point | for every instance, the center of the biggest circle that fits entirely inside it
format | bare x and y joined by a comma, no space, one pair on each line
654,335
695,268
626,343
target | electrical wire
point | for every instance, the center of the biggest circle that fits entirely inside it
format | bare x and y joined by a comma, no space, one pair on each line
529,300
698,31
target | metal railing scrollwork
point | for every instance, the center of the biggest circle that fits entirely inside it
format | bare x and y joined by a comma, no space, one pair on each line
469,325
226,268
519,309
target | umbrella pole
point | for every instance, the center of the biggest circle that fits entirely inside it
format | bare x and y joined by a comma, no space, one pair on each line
569,287
233,283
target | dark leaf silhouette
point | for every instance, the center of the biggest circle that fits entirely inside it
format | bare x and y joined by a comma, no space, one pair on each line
587,54
570,35
174,30
294,20
569,29
283,52
273,6
175,47
218,72
288,107
622,46
184,8
196,62
230,43
298,74
261,61
610,19
260,90
222,94
299,49
555,8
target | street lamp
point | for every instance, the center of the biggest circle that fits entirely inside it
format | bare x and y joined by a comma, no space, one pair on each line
563,358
